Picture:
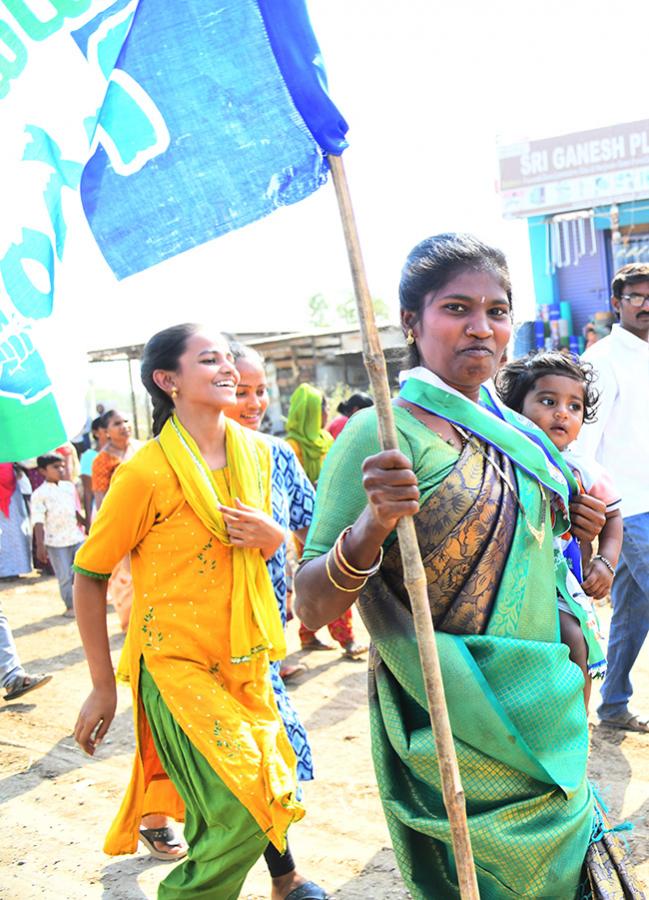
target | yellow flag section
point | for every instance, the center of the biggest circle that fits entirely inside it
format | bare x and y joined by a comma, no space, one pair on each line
183,607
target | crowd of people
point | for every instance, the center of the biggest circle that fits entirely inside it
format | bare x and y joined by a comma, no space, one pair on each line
531,500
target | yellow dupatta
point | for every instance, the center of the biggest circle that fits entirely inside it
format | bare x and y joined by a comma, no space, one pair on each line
255,620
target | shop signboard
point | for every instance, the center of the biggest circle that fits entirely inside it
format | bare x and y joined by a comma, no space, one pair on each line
574,171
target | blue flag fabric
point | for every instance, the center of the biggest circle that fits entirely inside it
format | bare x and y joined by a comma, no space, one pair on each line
214,116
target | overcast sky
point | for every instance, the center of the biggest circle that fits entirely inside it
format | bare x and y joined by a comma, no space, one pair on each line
428,90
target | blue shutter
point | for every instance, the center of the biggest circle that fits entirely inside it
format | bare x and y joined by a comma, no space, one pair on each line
586,285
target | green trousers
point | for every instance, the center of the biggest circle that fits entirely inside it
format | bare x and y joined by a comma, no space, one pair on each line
224,840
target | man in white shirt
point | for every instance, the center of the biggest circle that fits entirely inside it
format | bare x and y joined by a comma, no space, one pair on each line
619,440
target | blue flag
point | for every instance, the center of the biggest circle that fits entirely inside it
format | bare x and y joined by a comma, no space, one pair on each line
214,116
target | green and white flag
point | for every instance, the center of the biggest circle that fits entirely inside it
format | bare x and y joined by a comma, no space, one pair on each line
46,92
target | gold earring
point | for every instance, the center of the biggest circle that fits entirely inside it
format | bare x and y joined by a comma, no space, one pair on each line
174,393
410,337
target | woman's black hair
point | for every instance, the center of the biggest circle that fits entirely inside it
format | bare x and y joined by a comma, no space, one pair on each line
515,380
245,351
110,414
96,424
354,403
163,351
436,260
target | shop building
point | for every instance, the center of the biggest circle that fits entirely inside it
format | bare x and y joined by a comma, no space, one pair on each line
586,200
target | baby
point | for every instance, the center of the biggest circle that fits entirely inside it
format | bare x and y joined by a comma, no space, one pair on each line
556,392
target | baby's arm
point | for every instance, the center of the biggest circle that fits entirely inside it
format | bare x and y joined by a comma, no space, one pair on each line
597,576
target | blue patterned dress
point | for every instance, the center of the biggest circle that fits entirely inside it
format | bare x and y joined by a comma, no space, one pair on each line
16,538
293,498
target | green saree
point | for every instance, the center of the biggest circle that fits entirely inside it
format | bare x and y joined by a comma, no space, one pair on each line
515,700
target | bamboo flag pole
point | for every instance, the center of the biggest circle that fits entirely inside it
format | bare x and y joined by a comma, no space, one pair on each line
413,568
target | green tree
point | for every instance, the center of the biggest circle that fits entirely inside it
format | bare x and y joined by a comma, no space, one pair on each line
348,314
381,309
319,311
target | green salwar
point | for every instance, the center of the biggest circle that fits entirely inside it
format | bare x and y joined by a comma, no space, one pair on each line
224,839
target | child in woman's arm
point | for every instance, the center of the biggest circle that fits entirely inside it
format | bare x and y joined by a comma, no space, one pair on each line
556,393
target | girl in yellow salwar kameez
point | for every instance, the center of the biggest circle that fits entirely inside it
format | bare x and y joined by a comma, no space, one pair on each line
203,628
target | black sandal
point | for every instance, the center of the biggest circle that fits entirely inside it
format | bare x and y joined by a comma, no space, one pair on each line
167,836
308,891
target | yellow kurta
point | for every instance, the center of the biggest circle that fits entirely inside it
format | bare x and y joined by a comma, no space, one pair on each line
180,625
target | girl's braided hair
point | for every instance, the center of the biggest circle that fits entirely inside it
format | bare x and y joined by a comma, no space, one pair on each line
163,351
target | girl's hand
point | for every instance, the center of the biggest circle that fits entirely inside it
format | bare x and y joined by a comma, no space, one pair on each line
391,488
597,580
95,717
250,527
587,517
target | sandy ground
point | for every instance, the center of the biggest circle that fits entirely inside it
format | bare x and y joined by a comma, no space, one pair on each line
56,804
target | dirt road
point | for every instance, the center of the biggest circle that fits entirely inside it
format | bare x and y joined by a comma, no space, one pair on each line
57,804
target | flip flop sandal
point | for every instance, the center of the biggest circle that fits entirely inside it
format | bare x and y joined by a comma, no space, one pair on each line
317,644
633,722
308,891
290,672
25,684
167,836
354,651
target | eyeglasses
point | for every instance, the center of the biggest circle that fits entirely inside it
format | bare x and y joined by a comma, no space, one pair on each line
636,300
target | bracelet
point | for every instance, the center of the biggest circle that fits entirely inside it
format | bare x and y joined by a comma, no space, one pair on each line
339,587
340,565
607,562
346,567
343,568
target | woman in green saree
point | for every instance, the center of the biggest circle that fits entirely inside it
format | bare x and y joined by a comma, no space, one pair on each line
487,494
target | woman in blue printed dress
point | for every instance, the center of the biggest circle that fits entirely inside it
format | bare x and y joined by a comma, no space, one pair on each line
292,498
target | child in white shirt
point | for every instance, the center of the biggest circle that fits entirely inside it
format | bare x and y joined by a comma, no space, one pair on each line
57,521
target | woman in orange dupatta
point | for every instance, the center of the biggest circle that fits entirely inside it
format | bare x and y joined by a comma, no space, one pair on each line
119,448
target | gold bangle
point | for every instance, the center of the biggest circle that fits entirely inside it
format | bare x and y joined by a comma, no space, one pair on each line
339,587
363,573
341,566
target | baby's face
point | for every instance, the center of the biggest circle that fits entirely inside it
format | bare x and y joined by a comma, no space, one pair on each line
556,405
